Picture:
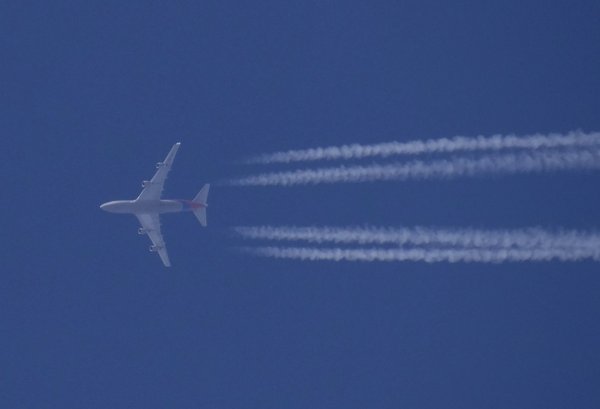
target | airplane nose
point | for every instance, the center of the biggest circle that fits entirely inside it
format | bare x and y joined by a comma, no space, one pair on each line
103,206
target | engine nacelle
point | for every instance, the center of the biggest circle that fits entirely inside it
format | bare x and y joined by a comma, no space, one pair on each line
154,249
146,183
160,165
142,231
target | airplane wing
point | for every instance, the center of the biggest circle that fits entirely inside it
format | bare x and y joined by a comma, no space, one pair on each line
153,188
151,226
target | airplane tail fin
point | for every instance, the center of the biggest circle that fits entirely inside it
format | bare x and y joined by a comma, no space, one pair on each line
201,198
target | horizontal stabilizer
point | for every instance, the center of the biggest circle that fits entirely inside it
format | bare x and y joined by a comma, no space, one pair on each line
201,215
202,195
202,198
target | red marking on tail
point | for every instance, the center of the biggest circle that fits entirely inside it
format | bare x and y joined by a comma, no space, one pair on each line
190,204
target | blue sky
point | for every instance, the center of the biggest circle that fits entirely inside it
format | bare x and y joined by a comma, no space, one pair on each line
94,93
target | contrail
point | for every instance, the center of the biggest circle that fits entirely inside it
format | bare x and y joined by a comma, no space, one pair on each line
425,254
528,238
508,163
432,146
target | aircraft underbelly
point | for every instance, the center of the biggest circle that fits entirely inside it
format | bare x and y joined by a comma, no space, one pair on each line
170,206
158,206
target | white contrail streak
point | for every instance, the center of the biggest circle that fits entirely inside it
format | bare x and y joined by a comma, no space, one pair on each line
432,146
508,163
529,238
425,254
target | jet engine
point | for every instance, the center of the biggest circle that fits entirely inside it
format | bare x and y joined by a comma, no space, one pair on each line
154,249
160,165
141,231
145,183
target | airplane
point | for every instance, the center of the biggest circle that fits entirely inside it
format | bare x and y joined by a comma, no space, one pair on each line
149,205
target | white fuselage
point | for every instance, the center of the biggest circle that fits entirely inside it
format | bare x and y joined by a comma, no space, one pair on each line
148,206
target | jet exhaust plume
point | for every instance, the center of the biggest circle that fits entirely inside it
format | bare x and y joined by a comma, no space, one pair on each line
572,139
508,163
528,238
428,255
